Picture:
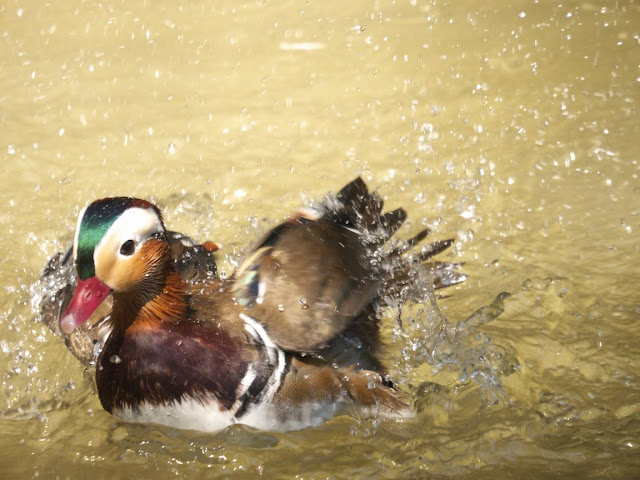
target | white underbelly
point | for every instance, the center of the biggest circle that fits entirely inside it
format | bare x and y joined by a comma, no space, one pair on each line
190,414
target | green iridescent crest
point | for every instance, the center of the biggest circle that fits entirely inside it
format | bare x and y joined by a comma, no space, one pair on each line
96,221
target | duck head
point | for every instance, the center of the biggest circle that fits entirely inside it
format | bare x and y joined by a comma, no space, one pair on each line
119,245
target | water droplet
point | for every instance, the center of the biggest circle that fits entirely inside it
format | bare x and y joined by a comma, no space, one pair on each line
281,308
303,303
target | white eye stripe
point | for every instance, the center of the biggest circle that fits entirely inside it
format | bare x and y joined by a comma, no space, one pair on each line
136,224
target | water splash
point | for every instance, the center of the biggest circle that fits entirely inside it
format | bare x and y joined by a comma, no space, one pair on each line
429,337
51,294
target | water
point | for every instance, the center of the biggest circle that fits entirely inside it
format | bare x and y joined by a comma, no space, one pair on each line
511,127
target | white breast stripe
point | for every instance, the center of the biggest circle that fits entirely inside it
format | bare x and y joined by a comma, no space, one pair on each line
258,332
246,382
276,355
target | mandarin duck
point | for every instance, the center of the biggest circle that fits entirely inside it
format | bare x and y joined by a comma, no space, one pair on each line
290,340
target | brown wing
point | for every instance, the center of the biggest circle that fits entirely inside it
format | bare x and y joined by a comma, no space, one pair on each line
306,282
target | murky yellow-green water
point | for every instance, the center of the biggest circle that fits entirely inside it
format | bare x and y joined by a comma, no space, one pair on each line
514,128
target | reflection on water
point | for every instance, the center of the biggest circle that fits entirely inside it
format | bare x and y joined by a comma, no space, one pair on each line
512,127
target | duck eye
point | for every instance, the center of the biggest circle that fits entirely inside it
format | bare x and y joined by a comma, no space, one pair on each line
128,248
